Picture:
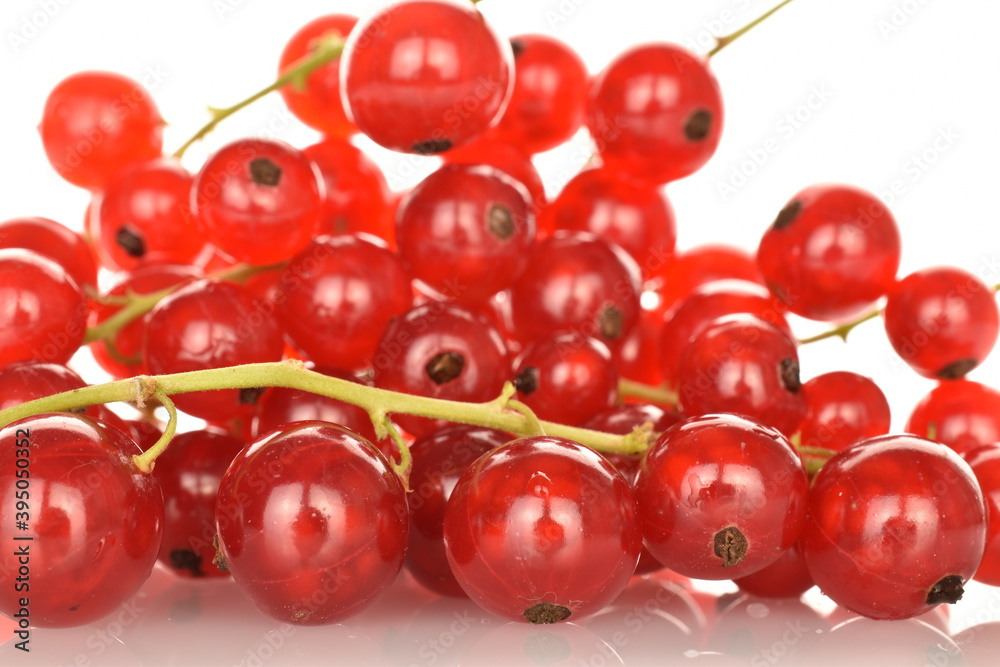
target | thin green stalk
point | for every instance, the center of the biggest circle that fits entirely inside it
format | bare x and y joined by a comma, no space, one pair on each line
842,330
726,40
656,395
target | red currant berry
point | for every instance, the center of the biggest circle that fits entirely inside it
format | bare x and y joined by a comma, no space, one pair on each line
896,524
50,239
942,321
508,159
720,497
211,324
44,315
143,217
656,113
961,414
464,231
339,294
424,76
787,577
258,200
676,279
439,459
542,530
742,364
633,215
638,358
831,252
189,472
312,523
96,123
317,103
442,351
566,378
574,282
95,521
985,464
842,408
549,101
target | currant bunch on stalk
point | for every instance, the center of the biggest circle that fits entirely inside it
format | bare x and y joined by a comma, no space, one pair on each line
526,402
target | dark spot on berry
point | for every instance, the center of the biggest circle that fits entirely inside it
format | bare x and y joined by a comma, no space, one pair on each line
130,242
264,172
517,46
219,561
340,225
957,369
947,590
186,560
611,322
731,546
500,222
250,395
445,367
545,612
698,125
526,381
789,370
787,215
74,607
431,146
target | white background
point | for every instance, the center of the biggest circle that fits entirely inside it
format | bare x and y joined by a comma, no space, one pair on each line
855,91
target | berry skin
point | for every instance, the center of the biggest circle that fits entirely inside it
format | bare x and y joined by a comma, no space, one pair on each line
318,104
425,76
896,524
50,239
842,408
985,464
258,200
720,497
96,123
962,414
43,313
647,134
677,278
787,577
100,519
542,530
312,523
832,251
942,321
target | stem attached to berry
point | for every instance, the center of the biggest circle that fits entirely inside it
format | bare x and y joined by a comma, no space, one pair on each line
294,375
145,460
842,330
657,395
726,40
327,50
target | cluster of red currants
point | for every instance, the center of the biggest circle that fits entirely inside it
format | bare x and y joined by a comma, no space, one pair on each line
471,280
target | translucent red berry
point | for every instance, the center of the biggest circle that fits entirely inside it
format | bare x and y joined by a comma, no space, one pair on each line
842,408
962,414
50,239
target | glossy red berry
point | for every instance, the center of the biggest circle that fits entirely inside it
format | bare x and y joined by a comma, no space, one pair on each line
143,217
442,351
985,464
616,209
464,231
43,312
842,408
510,160
566,378
189,472
211,324
896,525
962,414
439,459
942,321
94,520
549,101
831,252
96,123
676,279
542,530
742,364
720,497
787,577
317,102
574,282
312,523
258,200
655,113
337,297
424,76
50,239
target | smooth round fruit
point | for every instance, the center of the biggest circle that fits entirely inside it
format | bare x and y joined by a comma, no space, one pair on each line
720,497
985,464
312,523
896,524
542,530
50,239
94,520
962,414
842,408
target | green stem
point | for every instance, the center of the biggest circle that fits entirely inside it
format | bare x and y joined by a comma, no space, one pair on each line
842,330
293,374
726,40
657,395
145,460
327,50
